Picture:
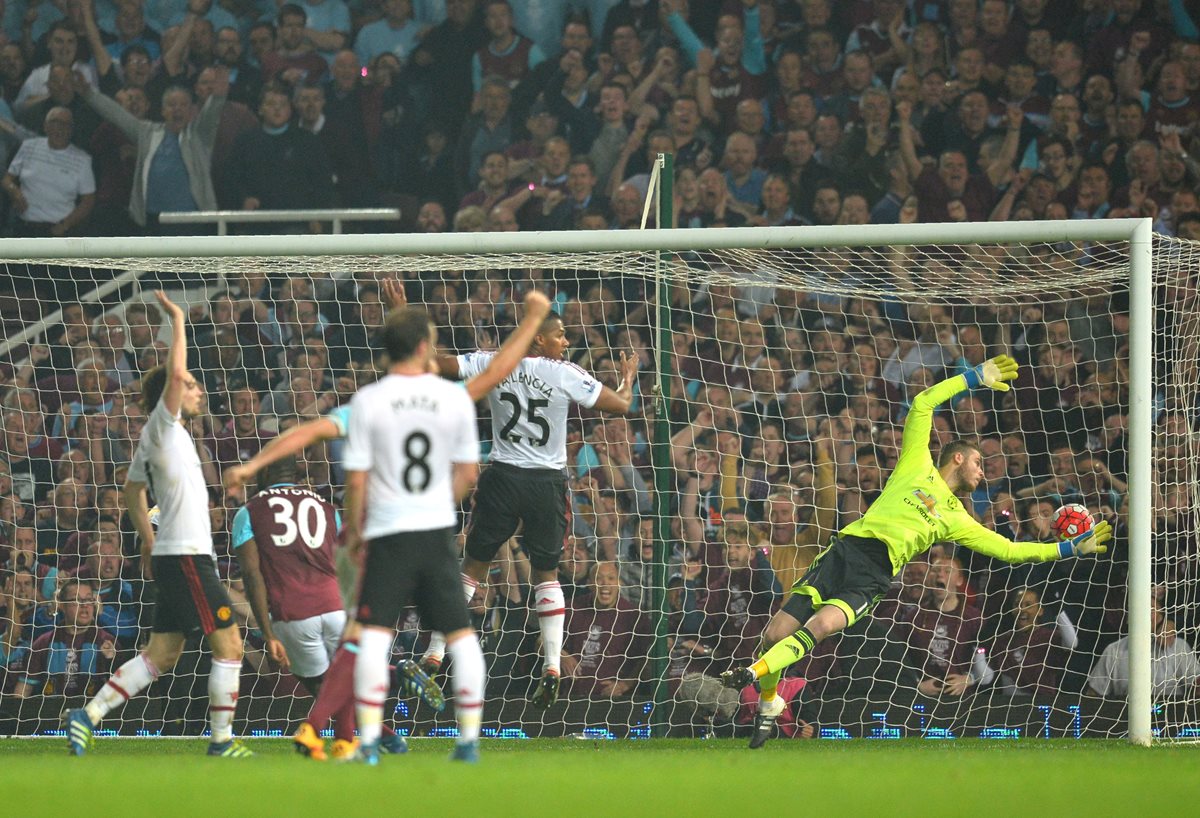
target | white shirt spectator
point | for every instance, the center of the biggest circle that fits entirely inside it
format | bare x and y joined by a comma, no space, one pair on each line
37,84
1173,669
51,180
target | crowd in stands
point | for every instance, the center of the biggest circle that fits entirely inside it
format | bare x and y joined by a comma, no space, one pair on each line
789,404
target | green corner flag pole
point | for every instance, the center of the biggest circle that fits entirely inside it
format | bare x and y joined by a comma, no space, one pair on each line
661,459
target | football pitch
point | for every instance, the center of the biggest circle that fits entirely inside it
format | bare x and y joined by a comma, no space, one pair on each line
571,777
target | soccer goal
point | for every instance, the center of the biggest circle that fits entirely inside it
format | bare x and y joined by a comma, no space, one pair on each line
776,368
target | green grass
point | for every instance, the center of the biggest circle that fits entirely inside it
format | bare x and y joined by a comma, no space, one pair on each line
569,777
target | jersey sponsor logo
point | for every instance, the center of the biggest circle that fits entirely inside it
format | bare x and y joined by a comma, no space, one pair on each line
928,504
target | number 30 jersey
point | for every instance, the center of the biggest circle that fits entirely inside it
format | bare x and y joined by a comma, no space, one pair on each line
530,406
295,533
407,432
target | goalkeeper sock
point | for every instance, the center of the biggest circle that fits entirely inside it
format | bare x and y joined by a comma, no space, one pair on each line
371,682
336,696
551,609
784,652
469,678
437,641
222,697
126,682
767,685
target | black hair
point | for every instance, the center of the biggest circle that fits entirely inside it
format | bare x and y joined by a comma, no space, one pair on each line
153,384
282,470
404,331
956,447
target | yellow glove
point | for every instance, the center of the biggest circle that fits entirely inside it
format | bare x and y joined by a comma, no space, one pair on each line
994,373
1089,542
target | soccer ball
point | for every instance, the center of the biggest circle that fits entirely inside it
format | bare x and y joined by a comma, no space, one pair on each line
1072,520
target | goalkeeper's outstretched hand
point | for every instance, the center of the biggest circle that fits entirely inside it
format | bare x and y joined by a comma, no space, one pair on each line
1089,542
994,373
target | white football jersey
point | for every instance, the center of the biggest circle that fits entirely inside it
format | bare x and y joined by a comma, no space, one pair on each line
407,432
167,462
530,406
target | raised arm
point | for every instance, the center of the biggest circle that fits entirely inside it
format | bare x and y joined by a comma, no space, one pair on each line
994,373
177,371
537,307
1007,154
908,145
100,54
293,441
825,514
618,402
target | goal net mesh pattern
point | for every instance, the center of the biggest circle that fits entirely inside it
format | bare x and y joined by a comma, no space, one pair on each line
791,373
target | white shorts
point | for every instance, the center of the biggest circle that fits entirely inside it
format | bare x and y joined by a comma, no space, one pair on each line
311,642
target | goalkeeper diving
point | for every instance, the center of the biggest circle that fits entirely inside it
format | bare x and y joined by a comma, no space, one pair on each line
919,506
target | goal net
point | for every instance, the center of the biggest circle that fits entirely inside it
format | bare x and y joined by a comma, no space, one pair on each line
790,366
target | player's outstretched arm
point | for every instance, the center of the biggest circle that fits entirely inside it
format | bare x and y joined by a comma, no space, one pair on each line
994,373
618,401
537,307
177,372
293,441
979,538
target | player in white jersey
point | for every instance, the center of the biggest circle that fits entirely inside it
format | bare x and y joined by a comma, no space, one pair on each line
527,479
334,425
178,557
411,456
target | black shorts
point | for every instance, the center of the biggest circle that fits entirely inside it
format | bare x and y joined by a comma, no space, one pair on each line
508,495
189,595
418,568
853,574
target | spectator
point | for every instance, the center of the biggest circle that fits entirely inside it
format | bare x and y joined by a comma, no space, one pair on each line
944,632
17,604
605,644
245,80
61,94
1174,668
72,659
173,157
279,166
103,567
508,54
452,45
50,181
345,148
397,33
491,129
1030,655
64,52
294,60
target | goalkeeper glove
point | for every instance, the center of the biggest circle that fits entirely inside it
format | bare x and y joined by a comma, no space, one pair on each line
1089,542
994,373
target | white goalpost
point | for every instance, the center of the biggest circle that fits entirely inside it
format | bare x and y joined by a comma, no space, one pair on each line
845,268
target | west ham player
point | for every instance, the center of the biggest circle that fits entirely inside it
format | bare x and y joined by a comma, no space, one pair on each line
527,481
285,538
412,455
336,693
178,557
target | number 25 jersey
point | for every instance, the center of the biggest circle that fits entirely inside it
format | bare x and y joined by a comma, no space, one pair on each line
530,406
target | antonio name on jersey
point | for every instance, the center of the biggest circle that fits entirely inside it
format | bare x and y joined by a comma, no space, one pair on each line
530,407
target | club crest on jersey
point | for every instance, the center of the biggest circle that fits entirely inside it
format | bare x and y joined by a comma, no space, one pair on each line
223,613
929,502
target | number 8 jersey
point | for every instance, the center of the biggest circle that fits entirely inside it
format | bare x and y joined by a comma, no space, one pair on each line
530,406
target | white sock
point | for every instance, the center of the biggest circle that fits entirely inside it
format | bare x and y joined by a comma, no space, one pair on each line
469,678
551,609
222,697
126,682
437,641
371,682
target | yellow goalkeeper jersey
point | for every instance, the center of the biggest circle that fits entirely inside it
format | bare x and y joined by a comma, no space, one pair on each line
917,508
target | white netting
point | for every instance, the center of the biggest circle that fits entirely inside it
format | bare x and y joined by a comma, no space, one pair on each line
772,351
